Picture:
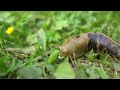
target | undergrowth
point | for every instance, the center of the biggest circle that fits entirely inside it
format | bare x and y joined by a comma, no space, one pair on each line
29,44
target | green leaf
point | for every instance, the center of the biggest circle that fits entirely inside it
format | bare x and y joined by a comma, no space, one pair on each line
91,55
92,72
53,57
64,71
60,24
53,35
102,73
12,66
80,73
41,37
116,66
50,67
57,37
30,72
8,69
31,39
31,58
3,67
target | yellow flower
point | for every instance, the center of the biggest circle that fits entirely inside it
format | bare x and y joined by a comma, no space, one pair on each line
10,30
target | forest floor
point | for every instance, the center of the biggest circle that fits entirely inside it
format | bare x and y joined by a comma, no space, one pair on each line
29,44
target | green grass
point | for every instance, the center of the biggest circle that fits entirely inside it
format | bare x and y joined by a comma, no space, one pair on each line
31,50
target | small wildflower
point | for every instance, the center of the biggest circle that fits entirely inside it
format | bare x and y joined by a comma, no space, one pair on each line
10,30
